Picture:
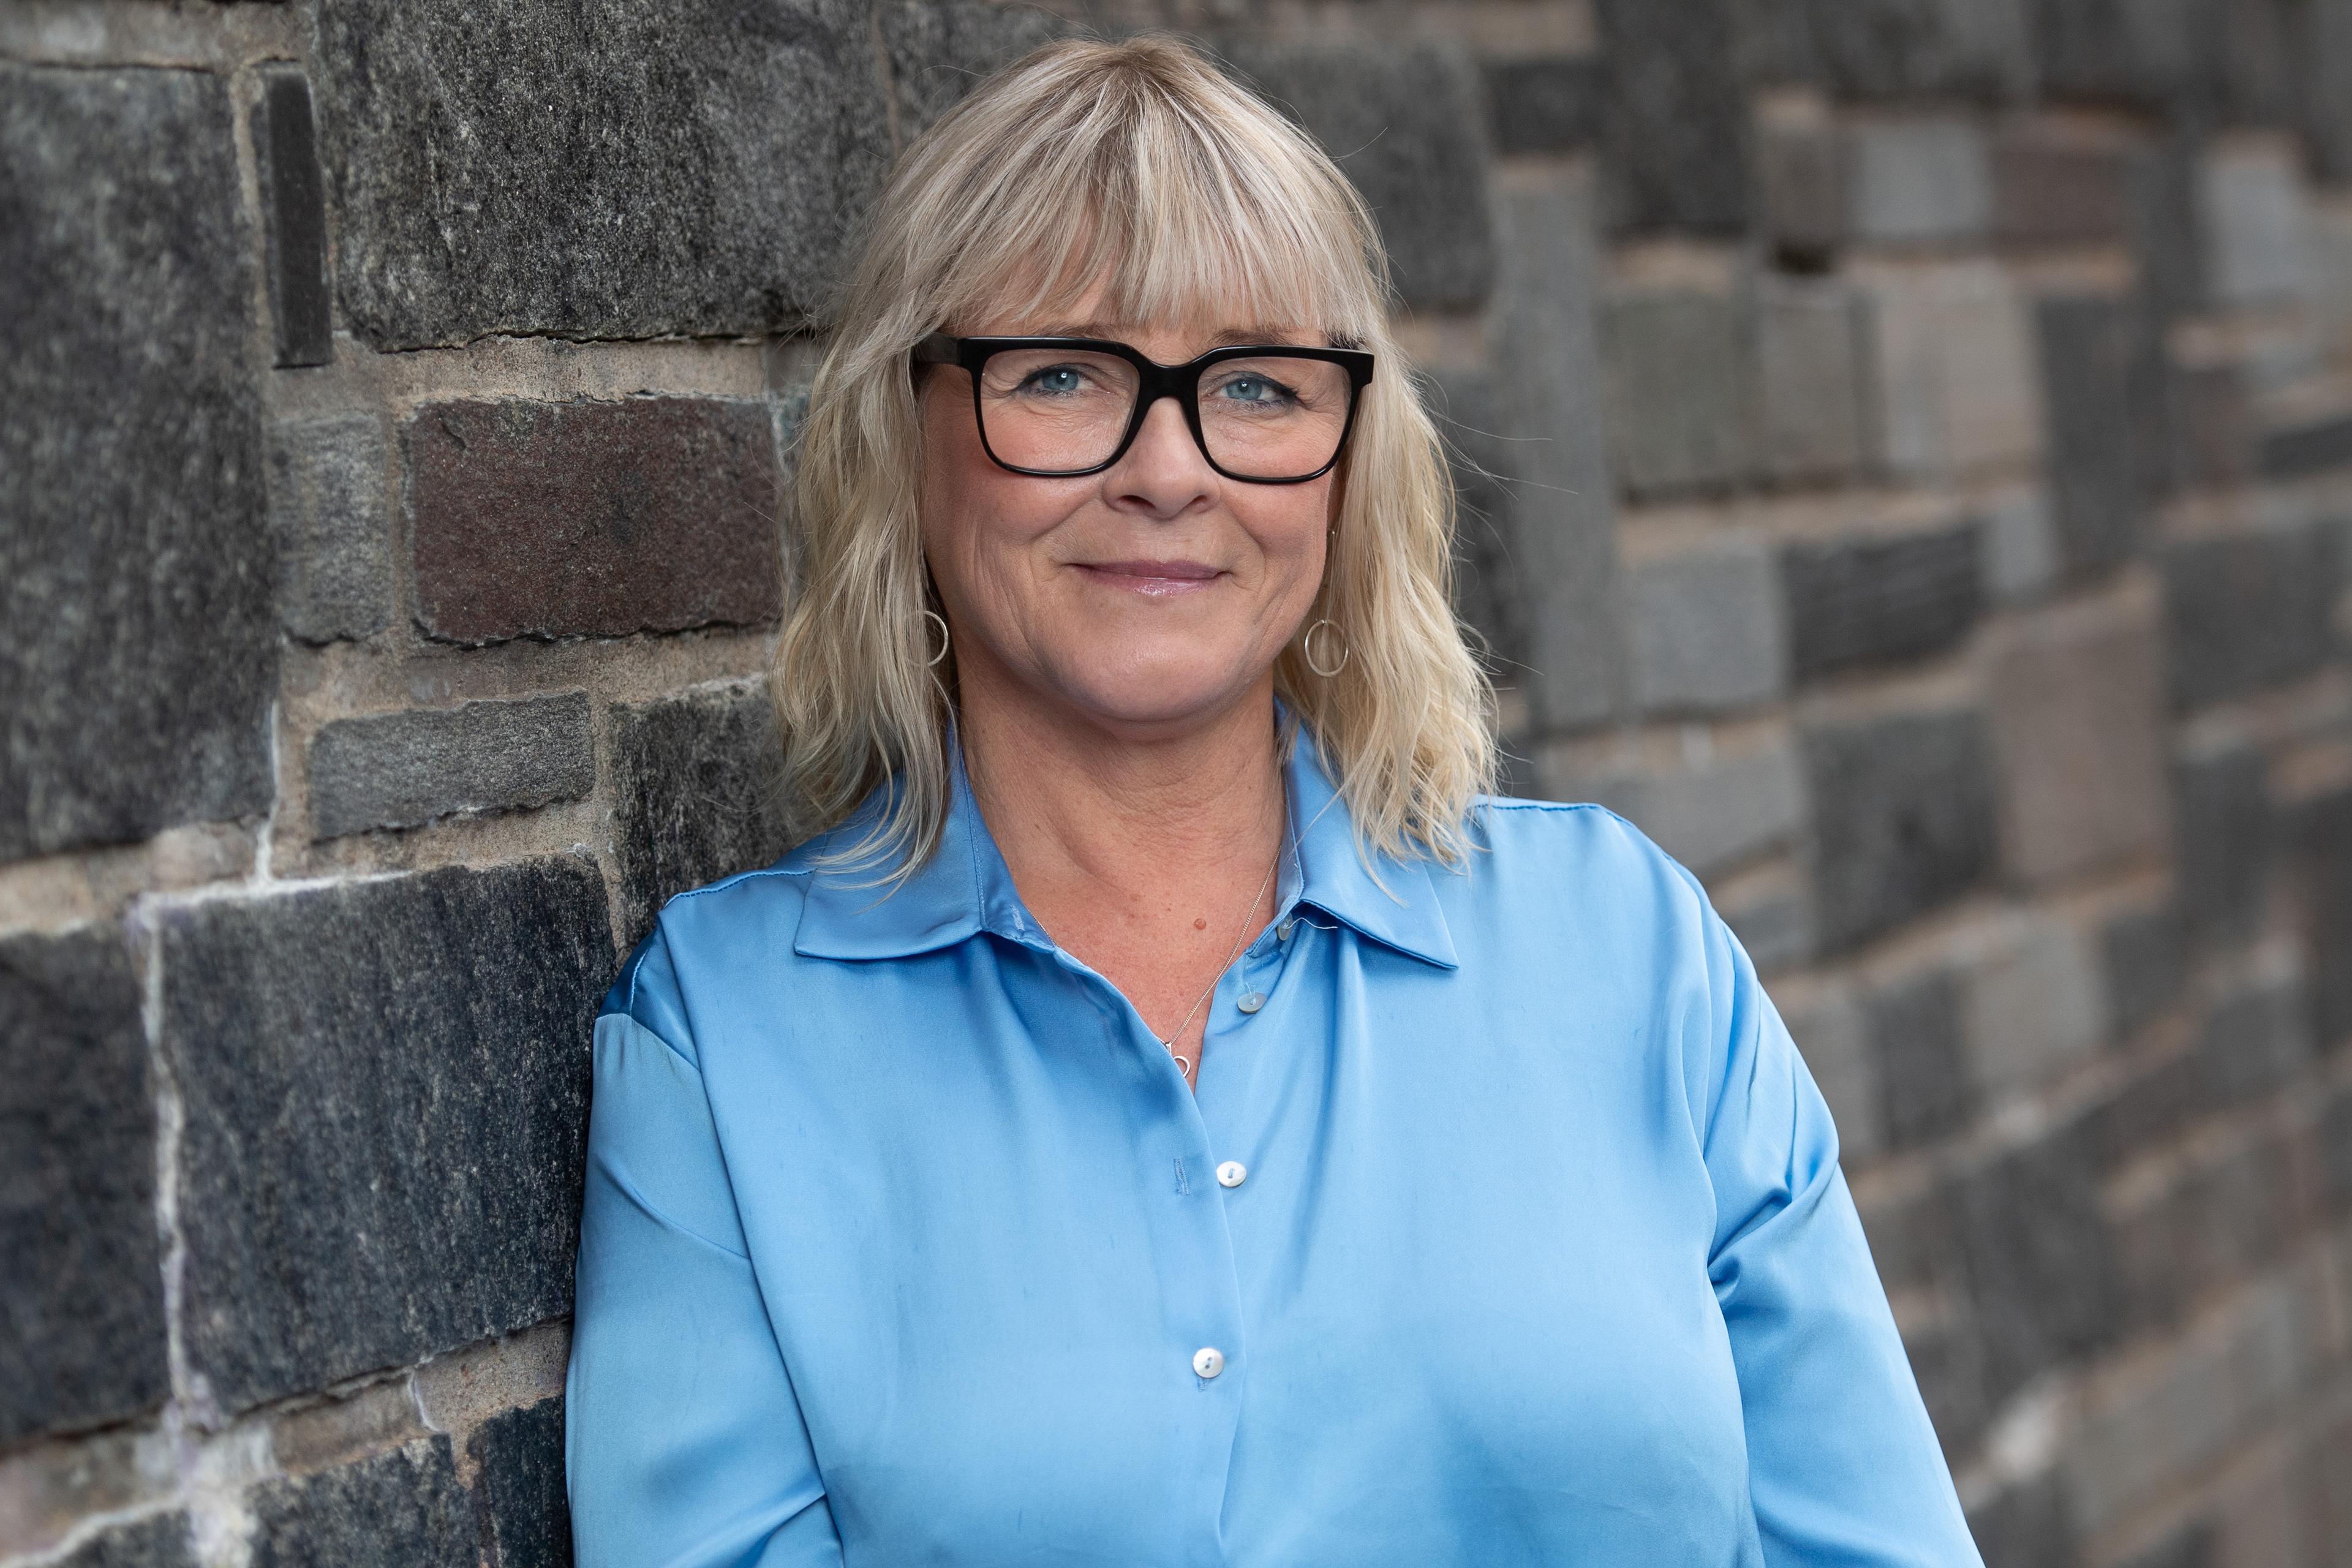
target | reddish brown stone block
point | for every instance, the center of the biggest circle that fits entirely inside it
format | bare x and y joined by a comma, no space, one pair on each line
592,518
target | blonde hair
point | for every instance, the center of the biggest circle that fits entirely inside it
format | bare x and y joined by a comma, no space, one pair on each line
1142,164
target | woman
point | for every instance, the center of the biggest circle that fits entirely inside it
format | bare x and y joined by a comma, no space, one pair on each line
1164,1113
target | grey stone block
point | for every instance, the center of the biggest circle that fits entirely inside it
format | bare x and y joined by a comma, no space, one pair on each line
2076,701
1706,630
1473,416
1811,356
610,170
2255,1040
1675,137
1562,530
518,1486
2246,611
1674,363
1936,48
81,1298
1832,1036
2106,426
2021,548
2031,1004
294,212
1877,598
2025,1525
137,646
1405,123
1719,815
2320,834
2039,1256
159,1540
2150,53
1920,181
1903,818
941,50
2144,952
327,517
1544,103
2224,841
402,770
400,1510
1955,378
386,1089
1774,923
693,784
2056,182
1803,176
2307,447
1916,1040
2257,246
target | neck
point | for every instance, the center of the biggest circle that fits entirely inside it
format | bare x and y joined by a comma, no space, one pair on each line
1182,825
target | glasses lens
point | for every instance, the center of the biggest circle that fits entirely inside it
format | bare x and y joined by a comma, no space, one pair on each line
1273,416
1055,408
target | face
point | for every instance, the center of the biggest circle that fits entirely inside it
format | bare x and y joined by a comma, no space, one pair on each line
1146,600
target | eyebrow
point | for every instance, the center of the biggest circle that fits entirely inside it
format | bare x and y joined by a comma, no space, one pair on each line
1113,330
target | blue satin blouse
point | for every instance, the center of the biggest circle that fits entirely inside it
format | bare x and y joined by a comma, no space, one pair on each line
1506,1227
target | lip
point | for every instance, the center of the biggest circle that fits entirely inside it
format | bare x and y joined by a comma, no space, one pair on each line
1153,579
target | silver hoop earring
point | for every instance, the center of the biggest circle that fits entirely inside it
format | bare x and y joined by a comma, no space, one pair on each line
932,662
1306,648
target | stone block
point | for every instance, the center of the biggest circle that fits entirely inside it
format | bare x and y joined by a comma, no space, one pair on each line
1833,1034
1405,122
1811,351
1562,531
2144,954
2255,1040
386,1096
2056,182
81,1298
610,170
1473,416
1718,815
693,784
1878,599
2021,548
1924,180
2148,1109
2325,118
1674,368
2331,256
939,49
328,518
2224,840
1934,49
518,1486
2246,611
1706,629
2075,697
2148,54
2039,1256
1675,142
2306,447
1804,171
137,645
1954,383
2320,835
2031,1006
2025,1525
2255,228
1543,103
402,769
1902,817
1774,922
2220,442
404,1508
294,213
1916,1043
2103,384
159,1540
593,519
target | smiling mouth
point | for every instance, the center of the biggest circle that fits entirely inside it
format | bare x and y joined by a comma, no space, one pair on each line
1153,579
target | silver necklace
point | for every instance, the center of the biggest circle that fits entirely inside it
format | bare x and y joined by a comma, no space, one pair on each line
1182,1061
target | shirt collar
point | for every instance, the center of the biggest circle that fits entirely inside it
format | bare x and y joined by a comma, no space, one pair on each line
965,888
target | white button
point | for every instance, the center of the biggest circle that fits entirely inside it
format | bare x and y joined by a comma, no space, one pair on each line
1231,1174
1251,1001
1208,1360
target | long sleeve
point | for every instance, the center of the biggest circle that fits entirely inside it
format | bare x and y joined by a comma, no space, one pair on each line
1843,1465
683,1444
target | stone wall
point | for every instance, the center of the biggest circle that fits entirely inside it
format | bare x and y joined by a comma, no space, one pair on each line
1907,453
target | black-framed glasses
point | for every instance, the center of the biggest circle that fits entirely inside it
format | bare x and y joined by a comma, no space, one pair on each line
1267,413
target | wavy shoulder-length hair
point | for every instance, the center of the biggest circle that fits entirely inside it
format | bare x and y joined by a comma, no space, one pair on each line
1141,166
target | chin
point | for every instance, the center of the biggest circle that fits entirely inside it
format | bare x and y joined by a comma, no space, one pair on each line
1170,696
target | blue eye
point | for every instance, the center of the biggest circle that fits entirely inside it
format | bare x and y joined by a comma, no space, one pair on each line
1061,379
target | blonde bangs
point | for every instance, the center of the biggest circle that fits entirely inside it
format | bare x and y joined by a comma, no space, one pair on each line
1140,168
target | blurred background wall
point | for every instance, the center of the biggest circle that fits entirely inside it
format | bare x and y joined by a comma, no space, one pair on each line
1908,470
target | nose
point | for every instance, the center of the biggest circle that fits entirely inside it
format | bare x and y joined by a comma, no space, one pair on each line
1164,473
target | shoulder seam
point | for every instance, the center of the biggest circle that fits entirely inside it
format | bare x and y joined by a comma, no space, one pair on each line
1519,803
